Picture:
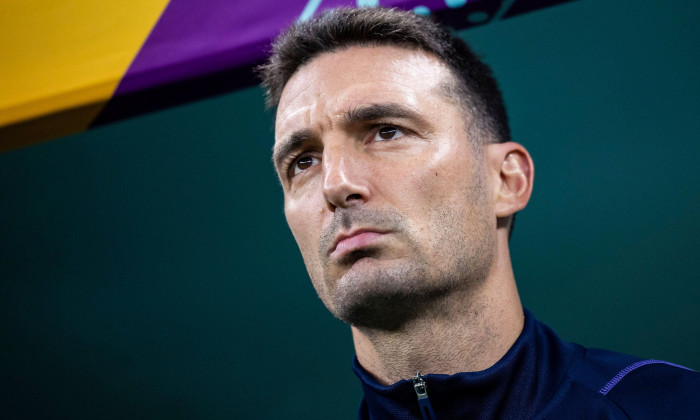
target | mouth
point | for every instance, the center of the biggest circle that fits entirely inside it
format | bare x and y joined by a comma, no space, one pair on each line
354,240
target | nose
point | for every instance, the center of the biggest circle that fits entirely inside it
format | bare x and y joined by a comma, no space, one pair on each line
344,178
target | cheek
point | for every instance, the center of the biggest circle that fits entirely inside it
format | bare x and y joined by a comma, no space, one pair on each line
436,194
304,220
428,183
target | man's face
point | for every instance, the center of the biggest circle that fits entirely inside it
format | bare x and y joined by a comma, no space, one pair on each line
384,194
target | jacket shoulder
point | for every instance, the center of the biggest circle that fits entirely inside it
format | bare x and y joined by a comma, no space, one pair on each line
609,385
656,389
642,389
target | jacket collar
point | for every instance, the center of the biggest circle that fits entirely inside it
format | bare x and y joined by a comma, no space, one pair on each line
517,386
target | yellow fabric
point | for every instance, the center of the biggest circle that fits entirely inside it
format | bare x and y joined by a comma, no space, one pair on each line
57,55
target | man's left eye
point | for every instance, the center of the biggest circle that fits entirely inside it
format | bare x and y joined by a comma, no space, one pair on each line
388,132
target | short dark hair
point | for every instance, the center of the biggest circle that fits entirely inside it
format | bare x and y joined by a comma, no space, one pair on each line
475,88
337,29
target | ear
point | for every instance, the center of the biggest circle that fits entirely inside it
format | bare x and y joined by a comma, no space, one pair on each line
515,173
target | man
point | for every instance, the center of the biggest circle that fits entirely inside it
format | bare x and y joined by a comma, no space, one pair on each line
401,185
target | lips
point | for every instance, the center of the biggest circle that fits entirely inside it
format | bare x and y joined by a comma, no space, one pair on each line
354,240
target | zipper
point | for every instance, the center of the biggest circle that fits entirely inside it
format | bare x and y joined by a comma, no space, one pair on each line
426,409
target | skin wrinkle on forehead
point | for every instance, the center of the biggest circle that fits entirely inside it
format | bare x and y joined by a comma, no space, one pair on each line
403,67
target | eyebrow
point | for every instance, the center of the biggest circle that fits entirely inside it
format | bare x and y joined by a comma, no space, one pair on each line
365,113
373,112
293,142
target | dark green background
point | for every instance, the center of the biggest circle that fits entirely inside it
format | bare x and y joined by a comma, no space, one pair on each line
146,270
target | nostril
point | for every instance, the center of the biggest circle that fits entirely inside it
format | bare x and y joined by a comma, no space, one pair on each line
352,197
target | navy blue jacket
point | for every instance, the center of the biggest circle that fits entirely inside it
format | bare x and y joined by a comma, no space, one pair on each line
542,377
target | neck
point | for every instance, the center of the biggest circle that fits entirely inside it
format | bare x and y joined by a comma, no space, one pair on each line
470,331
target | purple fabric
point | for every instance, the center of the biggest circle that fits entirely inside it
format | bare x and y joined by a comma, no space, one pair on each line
195,38
615,380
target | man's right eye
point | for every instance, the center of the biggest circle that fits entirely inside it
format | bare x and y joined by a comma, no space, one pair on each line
303,163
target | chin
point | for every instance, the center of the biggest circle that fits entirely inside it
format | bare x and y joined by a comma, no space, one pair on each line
382,295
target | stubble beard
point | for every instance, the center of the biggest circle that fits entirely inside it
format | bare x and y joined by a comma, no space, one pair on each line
380,293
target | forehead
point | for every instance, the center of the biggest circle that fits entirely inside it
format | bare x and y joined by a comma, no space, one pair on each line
334,83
